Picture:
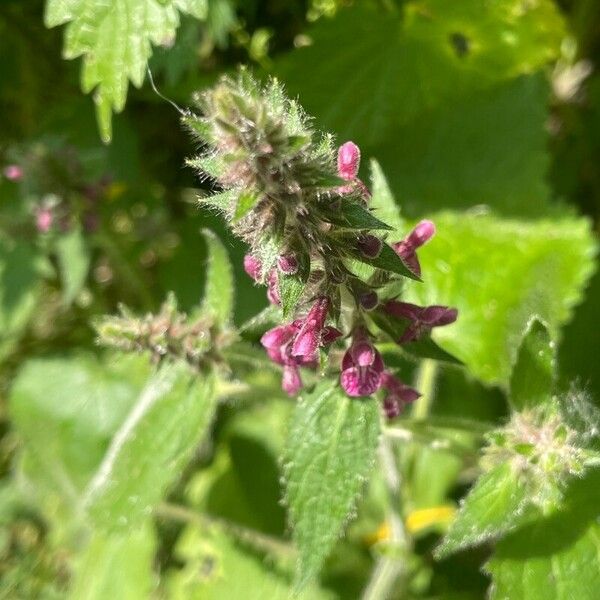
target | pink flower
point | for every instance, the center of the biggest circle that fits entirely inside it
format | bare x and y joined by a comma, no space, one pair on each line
421,319
309,336
288,264
291,383
43,219
362,366
406,249
348,161
253,267
347,164
272,288
13,172
398,394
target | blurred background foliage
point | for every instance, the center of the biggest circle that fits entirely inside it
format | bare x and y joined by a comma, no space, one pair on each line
491,110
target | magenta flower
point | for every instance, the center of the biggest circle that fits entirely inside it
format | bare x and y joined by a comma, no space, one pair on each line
273,288
309,336
288,264
398,394
406,249
13,172
348,163
421,318
253,267
362,366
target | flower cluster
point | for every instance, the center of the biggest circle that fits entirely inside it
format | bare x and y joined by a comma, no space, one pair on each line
305,214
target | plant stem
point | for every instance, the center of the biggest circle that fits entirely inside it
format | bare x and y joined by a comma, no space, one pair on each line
257,540
390,569
426,386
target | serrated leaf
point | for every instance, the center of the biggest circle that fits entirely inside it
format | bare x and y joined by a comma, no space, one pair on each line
116,566
290,289
115,40
532,377
492,508
74,262
424,347
555,557
352,215
329,452
497,273
387,260
219,290
382,201
152,445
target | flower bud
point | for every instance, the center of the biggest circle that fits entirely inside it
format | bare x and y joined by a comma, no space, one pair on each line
44,219
288,264
368,300
348,161
253,267
369,245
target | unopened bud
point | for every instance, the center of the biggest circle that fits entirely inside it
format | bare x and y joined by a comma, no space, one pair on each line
369,245
368,300
13,172
348,161
288,264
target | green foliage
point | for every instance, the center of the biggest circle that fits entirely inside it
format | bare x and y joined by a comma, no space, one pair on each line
497,284
219,287
166,424
74,261
116,565
532,377
328,455
493,507
426,86
555,557
115,40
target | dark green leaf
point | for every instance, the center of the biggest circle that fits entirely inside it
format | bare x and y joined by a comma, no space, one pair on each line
387,260
290,288
352,215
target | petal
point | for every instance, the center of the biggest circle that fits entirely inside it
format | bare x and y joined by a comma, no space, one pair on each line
277,337
403,310
436,316
360,381
329,335
253,267
291,383
421,234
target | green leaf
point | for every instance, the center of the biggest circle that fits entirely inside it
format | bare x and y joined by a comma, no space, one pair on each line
218,568
388,260
245,203
19,288
433,89
555,557
352,215
532,378
382,200
290,289
152,445
115,40
116,566
74,262
220,287
493,507
65,410
330,450
498,273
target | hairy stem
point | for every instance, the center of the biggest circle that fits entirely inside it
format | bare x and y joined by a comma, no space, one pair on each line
426,386
390,571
